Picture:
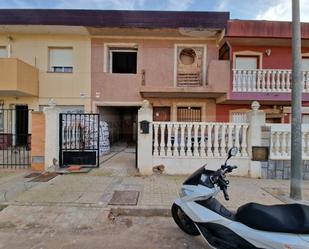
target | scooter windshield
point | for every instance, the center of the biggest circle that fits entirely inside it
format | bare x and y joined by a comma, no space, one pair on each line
194,179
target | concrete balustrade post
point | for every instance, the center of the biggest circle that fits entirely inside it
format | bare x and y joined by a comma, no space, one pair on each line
256,119
144,141
51,135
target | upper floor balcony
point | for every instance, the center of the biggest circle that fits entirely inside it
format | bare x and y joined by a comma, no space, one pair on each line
18,78
266,80
191,84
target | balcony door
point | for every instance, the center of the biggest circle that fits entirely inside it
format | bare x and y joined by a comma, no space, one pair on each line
246,62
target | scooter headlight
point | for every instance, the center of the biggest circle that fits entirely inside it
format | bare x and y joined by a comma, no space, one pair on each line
184,192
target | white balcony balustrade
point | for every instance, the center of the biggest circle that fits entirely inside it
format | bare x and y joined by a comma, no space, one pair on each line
198,140
266,80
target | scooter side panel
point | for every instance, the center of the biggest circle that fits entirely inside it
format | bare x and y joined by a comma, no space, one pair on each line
221,237
305,237
271,240
225,235
260,239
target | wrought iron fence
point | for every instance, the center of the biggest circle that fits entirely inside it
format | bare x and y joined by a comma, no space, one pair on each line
15,139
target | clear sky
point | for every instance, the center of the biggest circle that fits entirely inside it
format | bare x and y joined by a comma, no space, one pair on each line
240,9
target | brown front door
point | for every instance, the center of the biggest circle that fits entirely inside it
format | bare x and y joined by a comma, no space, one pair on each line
161,114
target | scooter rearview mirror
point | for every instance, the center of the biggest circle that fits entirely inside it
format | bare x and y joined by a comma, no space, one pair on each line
232,152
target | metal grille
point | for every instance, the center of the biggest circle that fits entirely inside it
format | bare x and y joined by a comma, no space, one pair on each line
189,79
15,140
189,114
79,139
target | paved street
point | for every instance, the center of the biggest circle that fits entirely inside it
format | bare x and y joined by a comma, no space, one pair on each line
73,211
84,228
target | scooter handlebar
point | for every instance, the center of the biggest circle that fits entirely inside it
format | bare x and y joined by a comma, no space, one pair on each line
226,195
219,178
227,168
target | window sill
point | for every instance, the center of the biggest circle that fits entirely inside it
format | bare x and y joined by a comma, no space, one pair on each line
59,72
122,73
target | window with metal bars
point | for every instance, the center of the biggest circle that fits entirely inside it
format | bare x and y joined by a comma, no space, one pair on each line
189,114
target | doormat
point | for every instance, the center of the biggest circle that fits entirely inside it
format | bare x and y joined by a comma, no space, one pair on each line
32,175
128,197
45,177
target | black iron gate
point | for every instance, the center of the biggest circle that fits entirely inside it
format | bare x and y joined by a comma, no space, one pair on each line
15,140
79,139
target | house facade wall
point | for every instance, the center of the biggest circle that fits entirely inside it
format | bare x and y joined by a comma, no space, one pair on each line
279,58
64,88
156,58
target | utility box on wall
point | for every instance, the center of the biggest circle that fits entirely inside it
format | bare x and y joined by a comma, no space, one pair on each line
260,153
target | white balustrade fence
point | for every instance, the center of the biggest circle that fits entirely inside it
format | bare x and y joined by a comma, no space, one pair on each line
266,80
198,140
280,141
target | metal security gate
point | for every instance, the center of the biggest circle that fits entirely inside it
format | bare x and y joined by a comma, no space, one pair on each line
15,140
79,139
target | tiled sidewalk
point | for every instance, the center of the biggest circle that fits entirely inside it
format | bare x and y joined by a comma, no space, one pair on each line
158,191
155,191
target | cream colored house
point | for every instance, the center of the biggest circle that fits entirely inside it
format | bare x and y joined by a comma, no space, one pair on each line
41,63
44,64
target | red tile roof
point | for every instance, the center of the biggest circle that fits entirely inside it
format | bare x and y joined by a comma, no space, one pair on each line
256,28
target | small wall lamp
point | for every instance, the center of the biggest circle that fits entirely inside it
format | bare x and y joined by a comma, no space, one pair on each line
268,52
10,38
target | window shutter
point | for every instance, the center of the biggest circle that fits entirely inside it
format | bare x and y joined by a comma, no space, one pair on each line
61,57
246,63
305,119
305,64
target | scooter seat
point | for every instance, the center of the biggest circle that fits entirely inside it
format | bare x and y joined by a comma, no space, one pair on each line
290,218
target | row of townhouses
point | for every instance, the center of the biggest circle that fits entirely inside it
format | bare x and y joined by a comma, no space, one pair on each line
190,66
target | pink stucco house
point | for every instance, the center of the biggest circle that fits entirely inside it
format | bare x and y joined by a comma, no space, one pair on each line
168,58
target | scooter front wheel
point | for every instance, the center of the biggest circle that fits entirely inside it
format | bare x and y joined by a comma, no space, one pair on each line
183,221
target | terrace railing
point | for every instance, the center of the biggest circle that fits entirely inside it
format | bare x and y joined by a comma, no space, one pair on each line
280,141
198,139
266,80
